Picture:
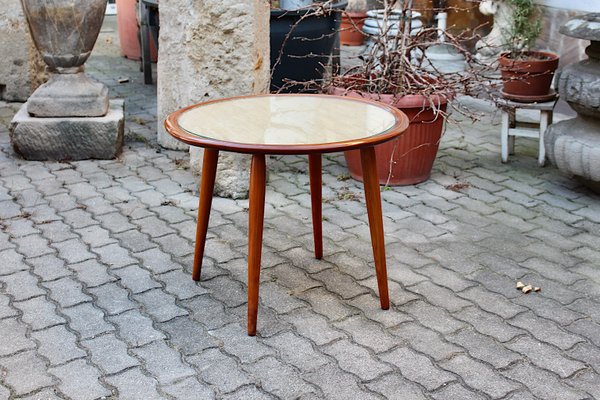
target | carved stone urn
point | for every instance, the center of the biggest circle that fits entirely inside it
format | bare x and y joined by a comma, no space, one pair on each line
64,32
574,145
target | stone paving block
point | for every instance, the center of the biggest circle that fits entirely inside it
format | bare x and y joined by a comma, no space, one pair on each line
250,393
227,291
220,370
109,353
163,362
176,246
98,206
497,283
439,296
39,313
95,236
356,360
92,273
78,218
42,214
32,246
136,329
133,384
279,379
394,387
181,285
21,285
433,317
136,279
115,222
117,194
541,383
19,227
268,324
485,348
491,302
80,381
327,304
337,384
480,376
210,312
488,324
57,231
87,320
44,394
417,368
157,261
546,330
58,345
14,337
154,227
587,329
189,388
424,341
297,351
9,209
367,333
6,310
66,292
134,240
25,372
588,381
160,305
235,341
548,308
11,262
456,391
188,336
586,352
73,251
112,298
292,278
114,256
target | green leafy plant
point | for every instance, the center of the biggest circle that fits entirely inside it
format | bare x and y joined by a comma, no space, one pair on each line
525,29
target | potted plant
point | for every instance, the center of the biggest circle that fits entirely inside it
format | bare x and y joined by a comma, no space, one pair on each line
526,74
302,41
353,20
395,70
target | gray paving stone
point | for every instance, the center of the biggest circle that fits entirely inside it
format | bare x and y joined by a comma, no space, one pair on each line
73,251
313,326
58,345
12,262
356,360
209,312
163,362
439,296
488,324
78,218
235,341
25,372
456,391
220,370
157,261
424,341
136,328
279,379
92,273
387,318
133,385
433,317
179,247
115,222
585,328
493,303
250,393
337,384
367,333
480,376
6,310
33,246
95,236
588,381
541,383
57,231
297,351
326,304
66,292
114,256
87,320
160,305
587,353
109,353
546,330
21,285
188,336
14,337
44,394
112,298
227,291
39,313
485,348
136,279
80,381
394,387
189,388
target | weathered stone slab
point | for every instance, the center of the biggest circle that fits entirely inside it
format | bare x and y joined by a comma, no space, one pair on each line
72,138
21,68
208,50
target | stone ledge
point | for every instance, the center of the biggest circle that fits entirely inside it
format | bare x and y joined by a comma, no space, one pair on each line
66,139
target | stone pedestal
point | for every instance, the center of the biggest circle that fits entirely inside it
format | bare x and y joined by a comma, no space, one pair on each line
66,139
212,49
574,145
21,68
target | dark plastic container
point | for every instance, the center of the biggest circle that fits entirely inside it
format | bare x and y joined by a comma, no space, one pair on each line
308,47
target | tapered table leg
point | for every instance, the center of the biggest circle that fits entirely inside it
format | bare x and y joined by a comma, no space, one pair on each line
255,235
209,170
316,183
373,199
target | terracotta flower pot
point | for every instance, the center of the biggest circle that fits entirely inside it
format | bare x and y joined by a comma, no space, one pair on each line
528,80
409,159
351,28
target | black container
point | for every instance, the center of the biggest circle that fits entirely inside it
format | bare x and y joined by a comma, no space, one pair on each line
308,47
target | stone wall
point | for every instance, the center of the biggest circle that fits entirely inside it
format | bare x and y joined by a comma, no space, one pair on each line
211,49
21,67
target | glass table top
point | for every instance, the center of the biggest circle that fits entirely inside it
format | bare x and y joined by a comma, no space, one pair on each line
286,120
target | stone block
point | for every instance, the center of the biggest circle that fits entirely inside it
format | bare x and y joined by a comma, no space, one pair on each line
68,138
21,68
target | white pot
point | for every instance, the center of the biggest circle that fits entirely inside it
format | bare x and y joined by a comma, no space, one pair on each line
374,24
294,4
445,59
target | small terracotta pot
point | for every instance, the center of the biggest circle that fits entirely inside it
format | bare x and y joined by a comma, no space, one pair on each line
409,159
351,28
530,78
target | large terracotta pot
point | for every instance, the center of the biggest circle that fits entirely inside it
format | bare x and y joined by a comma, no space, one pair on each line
128,27
409,159
529,79
351,28
64,31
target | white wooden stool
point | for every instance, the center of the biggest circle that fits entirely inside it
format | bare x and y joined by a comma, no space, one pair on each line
512,128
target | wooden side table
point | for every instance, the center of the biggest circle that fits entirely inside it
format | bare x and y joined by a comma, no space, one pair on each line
512,128
287,124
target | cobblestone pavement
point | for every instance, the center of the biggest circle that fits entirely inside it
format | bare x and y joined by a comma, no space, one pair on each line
96,298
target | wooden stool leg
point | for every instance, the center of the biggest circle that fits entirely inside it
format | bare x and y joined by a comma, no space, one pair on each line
209,170
255,234
545,120
504,135
373,199
314,167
